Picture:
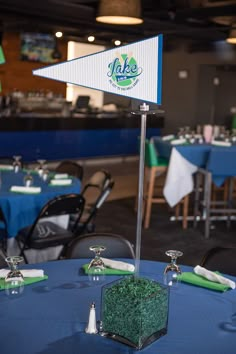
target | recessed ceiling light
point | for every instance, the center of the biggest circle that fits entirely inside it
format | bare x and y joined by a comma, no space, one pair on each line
91,38
59,34
117,42
232,37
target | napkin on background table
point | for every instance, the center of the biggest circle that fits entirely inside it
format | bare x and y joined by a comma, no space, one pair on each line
178,141
168,137
6,167
220,143
61,175
61,182
27,190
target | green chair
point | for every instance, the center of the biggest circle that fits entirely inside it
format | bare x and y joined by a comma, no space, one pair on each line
233,125
155,166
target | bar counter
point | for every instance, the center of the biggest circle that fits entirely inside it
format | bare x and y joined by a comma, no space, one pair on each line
56,138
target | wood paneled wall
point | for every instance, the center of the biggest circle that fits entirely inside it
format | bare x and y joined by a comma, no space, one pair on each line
17,74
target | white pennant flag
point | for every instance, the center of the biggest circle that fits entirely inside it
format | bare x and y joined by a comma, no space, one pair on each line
133,70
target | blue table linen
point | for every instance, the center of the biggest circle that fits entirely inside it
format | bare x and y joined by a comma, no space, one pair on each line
51,316
19,209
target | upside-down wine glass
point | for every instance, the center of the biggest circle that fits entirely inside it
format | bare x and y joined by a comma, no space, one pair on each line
96,268
41,166
14,281
17,163
28,179
172,270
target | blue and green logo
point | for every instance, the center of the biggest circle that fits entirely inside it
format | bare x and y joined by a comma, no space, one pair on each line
124,72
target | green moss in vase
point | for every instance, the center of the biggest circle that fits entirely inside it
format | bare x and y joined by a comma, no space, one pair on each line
135,310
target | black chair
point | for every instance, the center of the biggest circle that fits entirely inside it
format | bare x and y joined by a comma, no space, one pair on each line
3,263
222,259
95,192
96,183
116,246
71,167
88,218
44,233
5,160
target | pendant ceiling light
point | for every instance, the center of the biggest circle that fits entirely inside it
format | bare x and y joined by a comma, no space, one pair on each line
232,37
120,12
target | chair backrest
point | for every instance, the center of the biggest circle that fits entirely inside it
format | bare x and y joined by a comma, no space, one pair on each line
151,158
116,246
95,185
72,168
222,259
93,208
62,205
6,160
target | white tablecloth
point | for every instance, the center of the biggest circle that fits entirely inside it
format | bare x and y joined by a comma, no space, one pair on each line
179,180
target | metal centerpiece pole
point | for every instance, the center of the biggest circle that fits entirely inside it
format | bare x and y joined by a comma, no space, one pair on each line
144,108
143,111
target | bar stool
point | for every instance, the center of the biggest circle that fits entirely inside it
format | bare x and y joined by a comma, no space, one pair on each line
155,167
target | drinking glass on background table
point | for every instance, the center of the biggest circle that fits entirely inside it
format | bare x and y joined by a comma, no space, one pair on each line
172,270
45,173
17,163
96,268
14,281
41,167
28,179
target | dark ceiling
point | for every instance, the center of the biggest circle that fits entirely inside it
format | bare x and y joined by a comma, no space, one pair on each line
198,21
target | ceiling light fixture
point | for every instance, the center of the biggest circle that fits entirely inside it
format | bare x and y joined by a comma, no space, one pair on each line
122,12
232,37
91,38
117,42
59,34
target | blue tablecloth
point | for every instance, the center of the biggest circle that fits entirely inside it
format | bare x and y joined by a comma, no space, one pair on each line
220,161
50,316
19,209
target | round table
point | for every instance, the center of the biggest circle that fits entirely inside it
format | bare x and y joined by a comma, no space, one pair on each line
50,317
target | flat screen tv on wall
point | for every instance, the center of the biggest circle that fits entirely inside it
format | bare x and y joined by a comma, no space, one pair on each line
37,47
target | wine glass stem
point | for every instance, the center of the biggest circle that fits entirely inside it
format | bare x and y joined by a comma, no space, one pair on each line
174,265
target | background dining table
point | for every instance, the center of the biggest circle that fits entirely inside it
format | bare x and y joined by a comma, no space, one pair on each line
184,161
50,316
21,209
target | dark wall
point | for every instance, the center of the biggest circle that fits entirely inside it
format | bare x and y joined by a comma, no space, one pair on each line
190,101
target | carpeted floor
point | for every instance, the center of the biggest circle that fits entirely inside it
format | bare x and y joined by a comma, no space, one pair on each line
118,216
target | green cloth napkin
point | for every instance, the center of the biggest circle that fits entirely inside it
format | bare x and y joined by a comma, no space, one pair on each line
108,271
27,281
194,279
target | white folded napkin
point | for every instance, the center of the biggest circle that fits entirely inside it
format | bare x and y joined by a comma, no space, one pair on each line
178,141
168,137
27,273
213,276
118,265
6,167
61,175
24,189
220,143
61,182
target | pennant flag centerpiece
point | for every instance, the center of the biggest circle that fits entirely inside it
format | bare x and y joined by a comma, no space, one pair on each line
133,70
